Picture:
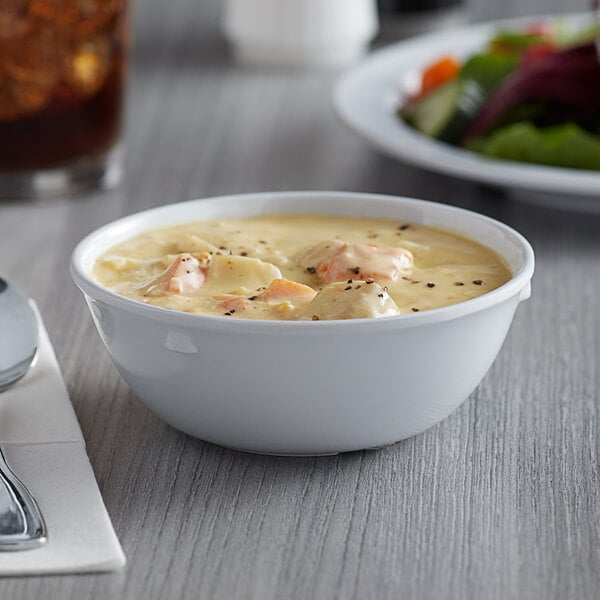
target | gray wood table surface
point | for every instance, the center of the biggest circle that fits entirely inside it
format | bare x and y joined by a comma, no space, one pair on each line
499,501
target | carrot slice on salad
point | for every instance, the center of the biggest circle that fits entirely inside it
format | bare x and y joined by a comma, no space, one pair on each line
438,73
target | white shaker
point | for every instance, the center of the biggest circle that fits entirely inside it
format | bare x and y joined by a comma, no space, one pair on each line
311,33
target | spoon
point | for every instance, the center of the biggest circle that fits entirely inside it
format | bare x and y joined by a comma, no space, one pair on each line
21,524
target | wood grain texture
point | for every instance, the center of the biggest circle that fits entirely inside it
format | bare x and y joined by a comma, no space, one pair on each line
500,501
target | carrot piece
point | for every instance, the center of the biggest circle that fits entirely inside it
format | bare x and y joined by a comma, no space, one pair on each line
238,304
284,289
442,71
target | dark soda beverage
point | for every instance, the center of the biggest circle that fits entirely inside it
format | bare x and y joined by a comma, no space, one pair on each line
62,68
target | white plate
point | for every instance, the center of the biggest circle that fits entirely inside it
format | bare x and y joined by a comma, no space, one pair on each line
367,97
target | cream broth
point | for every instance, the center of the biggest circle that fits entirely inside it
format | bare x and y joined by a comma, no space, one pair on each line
300,267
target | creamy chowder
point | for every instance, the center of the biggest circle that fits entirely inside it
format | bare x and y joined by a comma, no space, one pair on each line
301,267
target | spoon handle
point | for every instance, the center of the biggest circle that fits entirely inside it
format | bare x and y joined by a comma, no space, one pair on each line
21,524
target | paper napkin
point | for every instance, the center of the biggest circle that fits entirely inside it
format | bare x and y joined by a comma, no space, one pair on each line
42,442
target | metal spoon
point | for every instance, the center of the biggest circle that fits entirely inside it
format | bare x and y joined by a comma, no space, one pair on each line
22,526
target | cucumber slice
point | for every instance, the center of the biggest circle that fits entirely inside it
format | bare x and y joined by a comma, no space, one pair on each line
445,113
431,114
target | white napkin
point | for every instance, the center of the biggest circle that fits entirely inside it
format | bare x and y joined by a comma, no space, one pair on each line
42,442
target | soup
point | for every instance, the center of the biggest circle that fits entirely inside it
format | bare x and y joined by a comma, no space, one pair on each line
301,267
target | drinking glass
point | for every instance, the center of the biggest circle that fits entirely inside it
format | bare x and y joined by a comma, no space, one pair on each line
62,72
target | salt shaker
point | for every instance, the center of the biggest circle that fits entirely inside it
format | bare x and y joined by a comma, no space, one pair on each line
303,33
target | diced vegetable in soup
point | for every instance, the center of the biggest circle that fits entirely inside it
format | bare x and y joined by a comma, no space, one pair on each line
301,267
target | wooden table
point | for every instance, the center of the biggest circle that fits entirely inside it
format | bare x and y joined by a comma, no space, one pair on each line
497,502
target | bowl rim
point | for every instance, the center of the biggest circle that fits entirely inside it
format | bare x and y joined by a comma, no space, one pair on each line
517,285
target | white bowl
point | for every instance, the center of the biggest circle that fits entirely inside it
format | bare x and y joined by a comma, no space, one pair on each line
322,387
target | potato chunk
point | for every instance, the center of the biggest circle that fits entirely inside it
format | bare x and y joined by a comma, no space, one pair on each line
358,299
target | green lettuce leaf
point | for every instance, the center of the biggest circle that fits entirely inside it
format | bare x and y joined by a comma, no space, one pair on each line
565,145
488,69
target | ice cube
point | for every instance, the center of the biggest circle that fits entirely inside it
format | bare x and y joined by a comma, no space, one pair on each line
29,69
88,66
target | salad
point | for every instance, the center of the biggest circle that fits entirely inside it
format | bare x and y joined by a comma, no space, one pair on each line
529,96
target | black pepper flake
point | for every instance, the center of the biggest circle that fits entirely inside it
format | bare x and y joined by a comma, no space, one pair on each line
355,270
243,253
252,297
380,295
227,314
311,270
431,285
316,318
478,282
260,289
350,281
222,247
232,311
415,309
458,283
348,287
369,281
357,287
403,227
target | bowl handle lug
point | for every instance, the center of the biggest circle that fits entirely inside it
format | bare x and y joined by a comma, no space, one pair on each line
525,293
179,342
